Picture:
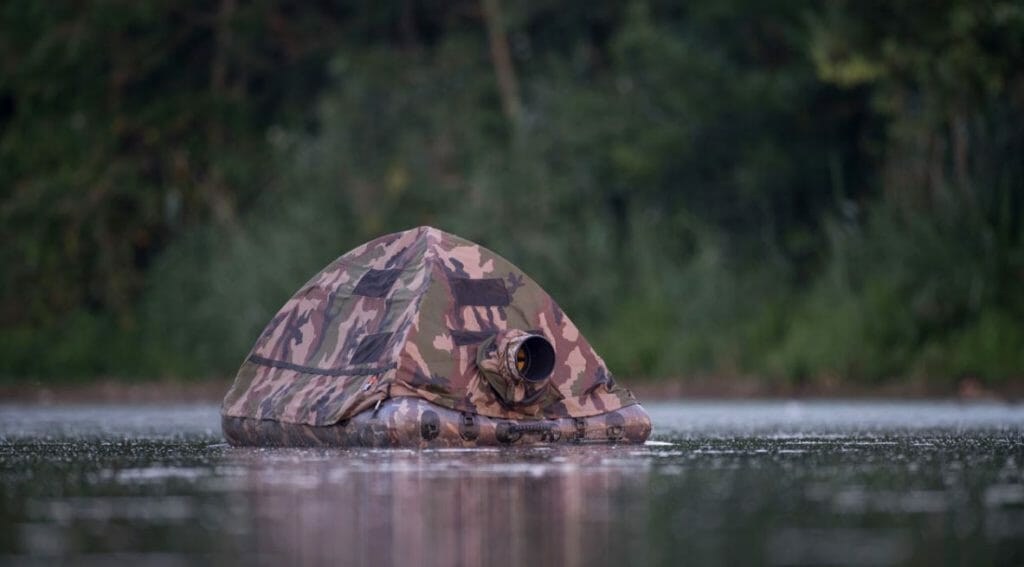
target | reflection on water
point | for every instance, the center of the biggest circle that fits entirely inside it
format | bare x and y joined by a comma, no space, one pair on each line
725,483
434,509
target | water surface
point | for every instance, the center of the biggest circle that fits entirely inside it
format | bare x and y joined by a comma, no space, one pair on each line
780,483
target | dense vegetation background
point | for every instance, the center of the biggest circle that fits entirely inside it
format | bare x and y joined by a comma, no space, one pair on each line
809,192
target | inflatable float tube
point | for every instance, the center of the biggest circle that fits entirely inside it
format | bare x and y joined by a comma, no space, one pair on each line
424,339
412,422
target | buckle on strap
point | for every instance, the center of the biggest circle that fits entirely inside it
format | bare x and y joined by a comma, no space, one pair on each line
469,429
580,424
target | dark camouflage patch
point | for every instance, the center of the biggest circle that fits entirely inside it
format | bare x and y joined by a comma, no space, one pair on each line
487,292
371,348
377,283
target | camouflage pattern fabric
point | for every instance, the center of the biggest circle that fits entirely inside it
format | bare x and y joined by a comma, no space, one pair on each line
404,316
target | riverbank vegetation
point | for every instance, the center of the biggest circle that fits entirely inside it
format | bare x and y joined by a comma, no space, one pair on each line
801,192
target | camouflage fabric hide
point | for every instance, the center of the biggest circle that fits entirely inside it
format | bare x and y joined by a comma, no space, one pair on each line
404,315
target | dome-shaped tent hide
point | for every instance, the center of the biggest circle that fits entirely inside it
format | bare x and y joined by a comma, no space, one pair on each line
422,338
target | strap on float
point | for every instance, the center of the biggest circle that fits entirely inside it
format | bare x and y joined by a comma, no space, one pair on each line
581,429
468,428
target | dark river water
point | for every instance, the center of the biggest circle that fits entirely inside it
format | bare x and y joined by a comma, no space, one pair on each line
777,483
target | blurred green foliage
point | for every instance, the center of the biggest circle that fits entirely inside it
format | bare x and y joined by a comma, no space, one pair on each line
798,191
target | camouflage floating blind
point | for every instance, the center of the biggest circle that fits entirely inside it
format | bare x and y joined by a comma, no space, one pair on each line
426,314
